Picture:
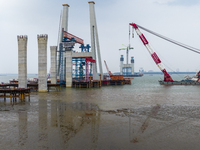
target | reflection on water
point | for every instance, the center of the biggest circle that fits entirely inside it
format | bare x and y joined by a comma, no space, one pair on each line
50,124
43,129
146,116
23,135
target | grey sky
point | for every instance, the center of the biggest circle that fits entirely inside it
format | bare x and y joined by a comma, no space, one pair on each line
176,19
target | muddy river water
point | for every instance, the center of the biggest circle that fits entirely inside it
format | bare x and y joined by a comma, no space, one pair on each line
140,116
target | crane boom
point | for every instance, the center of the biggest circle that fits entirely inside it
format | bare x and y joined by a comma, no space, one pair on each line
167,77
114,77
198,76
109,72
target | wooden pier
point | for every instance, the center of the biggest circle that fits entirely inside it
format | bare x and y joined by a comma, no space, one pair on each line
14,93
31,86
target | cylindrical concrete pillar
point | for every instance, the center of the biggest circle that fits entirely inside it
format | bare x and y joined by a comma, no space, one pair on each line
69,68
22,61
121,64
53,64
132,65
42,62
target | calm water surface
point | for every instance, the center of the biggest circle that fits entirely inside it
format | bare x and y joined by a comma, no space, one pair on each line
144,115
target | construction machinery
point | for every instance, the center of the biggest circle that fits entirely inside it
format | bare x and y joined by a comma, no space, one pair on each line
167,78
113,77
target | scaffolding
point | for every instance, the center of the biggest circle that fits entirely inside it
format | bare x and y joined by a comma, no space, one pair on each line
60,66
87,61
78,63
82,68
78,68
66,45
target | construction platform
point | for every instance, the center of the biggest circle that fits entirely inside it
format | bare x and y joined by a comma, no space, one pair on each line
14,93
113,82
31,86
86,84
116,82
98,83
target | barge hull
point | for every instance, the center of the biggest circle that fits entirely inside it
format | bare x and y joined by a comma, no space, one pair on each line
179,83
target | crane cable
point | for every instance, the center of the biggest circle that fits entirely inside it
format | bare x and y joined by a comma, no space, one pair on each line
172,41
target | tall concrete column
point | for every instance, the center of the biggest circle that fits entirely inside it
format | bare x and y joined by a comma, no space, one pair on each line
95,38
64,26
132,65
121,64
69,68
22,61
53,64
42,62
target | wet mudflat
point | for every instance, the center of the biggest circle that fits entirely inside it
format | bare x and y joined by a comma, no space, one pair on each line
138,116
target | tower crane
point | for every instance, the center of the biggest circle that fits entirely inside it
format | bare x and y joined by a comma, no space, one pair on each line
113,77
167,77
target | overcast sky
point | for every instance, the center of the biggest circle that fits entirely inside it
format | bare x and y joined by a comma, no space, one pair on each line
176,19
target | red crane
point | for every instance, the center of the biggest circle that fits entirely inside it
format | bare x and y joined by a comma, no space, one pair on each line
198,76
167,77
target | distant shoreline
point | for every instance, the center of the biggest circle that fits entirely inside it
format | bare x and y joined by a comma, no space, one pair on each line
170,73
17,74
119,73
159,73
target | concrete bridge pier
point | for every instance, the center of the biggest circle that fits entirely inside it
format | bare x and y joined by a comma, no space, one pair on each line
53,64
42,62
22,61
68,68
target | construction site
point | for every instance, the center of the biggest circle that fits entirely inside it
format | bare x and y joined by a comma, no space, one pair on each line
82,97
79,69
69,68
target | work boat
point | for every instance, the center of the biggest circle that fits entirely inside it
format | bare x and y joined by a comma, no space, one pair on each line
167,78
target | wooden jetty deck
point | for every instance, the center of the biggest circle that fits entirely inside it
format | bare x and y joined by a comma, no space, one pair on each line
33,86
14,93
